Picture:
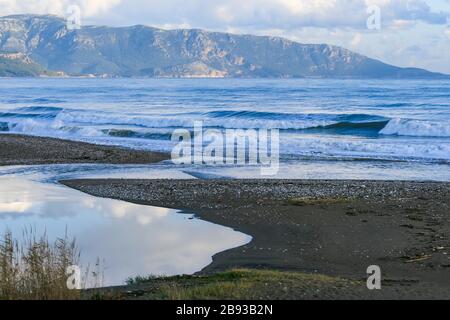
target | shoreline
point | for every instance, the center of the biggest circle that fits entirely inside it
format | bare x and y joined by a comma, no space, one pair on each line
335,228
332,228
31,150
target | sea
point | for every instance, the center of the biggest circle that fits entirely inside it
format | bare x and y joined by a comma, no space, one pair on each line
336,129
329,129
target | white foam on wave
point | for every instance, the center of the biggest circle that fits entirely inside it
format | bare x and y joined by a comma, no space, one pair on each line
184,121
377,149
416,128
87,127
52,128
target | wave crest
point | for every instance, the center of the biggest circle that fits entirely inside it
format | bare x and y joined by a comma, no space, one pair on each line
416,128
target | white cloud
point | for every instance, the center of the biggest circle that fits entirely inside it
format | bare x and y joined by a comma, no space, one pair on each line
342,22
90,8
278,13
236,13
356,41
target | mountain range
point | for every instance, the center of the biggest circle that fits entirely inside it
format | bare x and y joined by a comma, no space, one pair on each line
43,45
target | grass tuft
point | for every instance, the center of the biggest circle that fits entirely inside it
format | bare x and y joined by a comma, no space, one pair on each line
35,269
236,284
213,291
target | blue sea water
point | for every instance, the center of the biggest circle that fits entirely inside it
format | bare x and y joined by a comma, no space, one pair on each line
393,121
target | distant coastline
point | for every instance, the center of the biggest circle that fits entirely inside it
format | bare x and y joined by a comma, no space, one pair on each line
141,51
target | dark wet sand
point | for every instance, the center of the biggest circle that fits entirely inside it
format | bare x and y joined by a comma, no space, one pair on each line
403,227
28,150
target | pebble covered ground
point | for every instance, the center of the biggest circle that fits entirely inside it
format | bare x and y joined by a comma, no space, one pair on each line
336,228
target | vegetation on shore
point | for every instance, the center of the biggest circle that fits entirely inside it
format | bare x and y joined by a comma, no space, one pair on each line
245,284
35,269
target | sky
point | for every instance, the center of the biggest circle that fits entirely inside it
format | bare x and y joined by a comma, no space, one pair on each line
407,33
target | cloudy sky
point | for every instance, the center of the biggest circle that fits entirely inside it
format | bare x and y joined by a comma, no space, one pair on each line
412,32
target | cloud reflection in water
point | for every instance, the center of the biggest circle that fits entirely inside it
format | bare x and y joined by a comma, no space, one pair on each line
132,239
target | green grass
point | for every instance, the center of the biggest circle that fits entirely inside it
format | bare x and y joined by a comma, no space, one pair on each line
213,291
234,285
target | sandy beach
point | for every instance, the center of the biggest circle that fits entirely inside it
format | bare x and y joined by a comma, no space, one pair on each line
29,150
336,228
332,228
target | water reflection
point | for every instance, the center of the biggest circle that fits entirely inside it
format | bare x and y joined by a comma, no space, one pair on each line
132,239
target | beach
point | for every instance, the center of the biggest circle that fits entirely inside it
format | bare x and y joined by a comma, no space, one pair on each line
29,150
335,228
311,227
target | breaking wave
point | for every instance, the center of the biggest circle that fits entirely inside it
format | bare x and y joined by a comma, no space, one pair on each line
416,128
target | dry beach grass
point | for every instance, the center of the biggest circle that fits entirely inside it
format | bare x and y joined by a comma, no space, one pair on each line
35,269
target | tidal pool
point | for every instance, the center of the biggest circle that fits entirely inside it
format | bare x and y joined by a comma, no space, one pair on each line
130,239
